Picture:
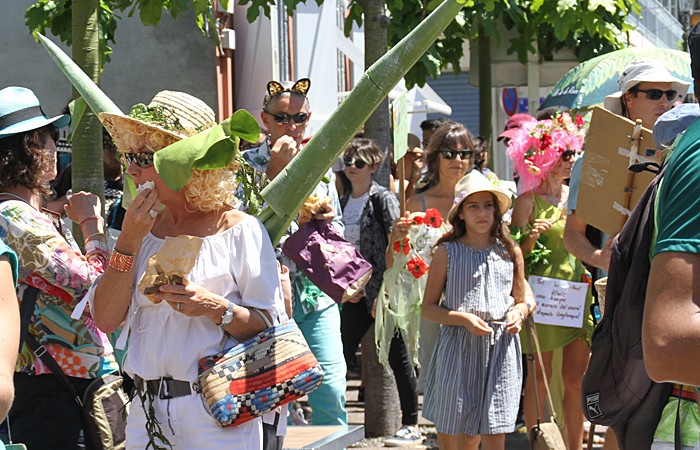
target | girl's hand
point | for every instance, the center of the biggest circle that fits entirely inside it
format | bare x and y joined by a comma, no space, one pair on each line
83,205
514,321
193,301
476,326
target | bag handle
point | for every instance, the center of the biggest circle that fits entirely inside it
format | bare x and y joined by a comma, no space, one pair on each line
531,333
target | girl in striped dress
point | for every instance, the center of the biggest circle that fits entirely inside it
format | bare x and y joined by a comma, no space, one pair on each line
473,387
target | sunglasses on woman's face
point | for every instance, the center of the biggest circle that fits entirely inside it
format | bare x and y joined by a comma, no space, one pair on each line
55,134
284,118
143,159
452,154
568,155
358,163
656,94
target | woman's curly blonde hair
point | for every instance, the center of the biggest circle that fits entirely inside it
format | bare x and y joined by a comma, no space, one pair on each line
206,190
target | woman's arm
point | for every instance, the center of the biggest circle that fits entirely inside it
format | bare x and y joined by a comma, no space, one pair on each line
53,265
9,335
116,286
437,276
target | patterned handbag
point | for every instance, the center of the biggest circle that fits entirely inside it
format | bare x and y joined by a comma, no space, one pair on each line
258,375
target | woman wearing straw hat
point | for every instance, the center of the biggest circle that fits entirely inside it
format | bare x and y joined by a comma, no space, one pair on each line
543,153
233,270
53,273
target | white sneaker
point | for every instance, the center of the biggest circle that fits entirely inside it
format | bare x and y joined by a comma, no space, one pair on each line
407,435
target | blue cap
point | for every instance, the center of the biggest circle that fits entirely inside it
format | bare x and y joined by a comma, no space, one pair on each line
20,111
673,122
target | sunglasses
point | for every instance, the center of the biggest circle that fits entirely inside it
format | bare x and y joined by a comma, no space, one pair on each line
284,118
568,155
54,134
656,94
143,159
358,163
452,154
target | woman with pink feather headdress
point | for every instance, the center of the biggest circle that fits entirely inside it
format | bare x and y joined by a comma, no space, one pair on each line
542,154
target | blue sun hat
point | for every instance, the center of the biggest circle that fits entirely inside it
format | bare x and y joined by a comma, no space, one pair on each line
20,111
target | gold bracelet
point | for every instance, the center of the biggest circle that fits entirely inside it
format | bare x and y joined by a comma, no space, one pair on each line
121,262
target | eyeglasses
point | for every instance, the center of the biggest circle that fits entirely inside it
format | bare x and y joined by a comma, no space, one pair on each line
656,94
568,155
143,159
358,163
452,154
284,118
55,134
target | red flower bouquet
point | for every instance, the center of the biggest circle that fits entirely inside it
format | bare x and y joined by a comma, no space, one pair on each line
402,246
417,266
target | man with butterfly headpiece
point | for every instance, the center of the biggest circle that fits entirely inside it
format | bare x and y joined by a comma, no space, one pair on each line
286,113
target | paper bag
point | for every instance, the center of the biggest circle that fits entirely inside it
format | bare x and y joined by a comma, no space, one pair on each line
170,265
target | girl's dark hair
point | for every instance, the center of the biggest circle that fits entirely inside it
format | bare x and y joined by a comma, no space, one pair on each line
24,162
499,231
366,149
452,135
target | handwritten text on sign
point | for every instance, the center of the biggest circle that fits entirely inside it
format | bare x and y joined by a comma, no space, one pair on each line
559,302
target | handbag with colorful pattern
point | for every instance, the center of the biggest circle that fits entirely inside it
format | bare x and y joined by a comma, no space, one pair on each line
271,369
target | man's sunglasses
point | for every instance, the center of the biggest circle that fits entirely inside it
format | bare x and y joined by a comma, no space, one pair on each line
452,154
284,118
358,163
656,94
568,155
143,159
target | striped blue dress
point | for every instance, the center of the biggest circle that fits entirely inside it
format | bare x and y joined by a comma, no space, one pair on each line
473,384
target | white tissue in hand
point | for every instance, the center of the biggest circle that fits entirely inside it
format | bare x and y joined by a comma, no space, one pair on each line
147,185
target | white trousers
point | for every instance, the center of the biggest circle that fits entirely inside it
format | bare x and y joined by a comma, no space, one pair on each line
188,426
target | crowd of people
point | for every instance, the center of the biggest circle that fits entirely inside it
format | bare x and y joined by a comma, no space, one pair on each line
448,297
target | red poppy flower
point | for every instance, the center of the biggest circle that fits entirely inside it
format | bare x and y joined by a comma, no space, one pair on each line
433,217
402,246
579,120
417,266
417,220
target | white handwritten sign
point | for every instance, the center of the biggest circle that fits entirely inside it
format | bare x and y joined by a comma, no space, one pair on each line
559,302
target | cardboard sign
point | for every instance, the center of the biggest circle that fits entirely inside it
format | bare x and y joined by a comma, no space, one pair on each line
602,200
559,302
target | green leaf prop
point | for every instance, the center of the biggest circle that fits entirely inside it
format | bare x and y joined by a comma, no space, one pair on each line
288,191
213,148
93,95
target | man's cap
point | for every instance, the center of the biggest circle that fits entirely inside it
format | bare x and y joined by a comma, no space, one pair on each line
414,143
638,72
514,123
20,112
673,122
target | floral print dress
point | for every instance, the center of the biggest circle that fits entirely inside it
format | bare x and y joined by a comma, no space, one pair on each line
63,275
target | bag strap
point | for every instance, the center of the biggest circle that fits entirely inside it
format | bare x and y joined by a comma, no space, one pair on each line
26,310
677,436
531,333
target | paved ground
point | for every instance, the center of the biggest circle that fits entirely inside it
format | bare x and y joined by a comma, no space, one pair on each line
514,441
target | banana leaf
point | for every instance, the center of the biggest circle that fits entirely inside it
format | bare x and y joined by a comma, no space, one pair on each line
289,190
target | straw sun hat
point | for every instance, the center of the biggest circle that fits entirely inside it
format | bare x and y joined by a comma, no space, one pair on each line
169,117
472,183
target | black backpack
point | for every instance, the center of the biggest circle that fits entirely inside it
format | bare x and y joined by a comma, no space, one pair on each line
616,390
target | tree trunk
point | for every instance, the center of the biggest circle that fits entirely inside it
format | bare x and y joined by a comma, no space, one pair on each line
378,126
87,171
382,412
485,102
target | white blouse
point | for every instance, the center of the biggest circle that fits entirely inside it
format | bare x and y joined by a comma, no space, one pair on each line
238,264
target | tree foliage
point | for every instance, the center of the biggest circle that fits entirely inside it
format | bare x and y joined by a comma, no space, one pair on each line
589,27
55,16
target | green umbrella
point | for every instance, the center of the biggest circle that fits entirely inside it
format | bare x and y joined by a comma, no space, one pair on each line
588,83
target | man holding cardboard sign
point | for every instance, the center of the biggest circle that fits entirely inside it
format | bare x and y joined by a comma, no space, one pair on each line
647,90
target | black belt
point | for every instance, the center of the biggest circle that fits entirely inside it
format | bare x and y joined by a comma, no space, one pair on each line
165,388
